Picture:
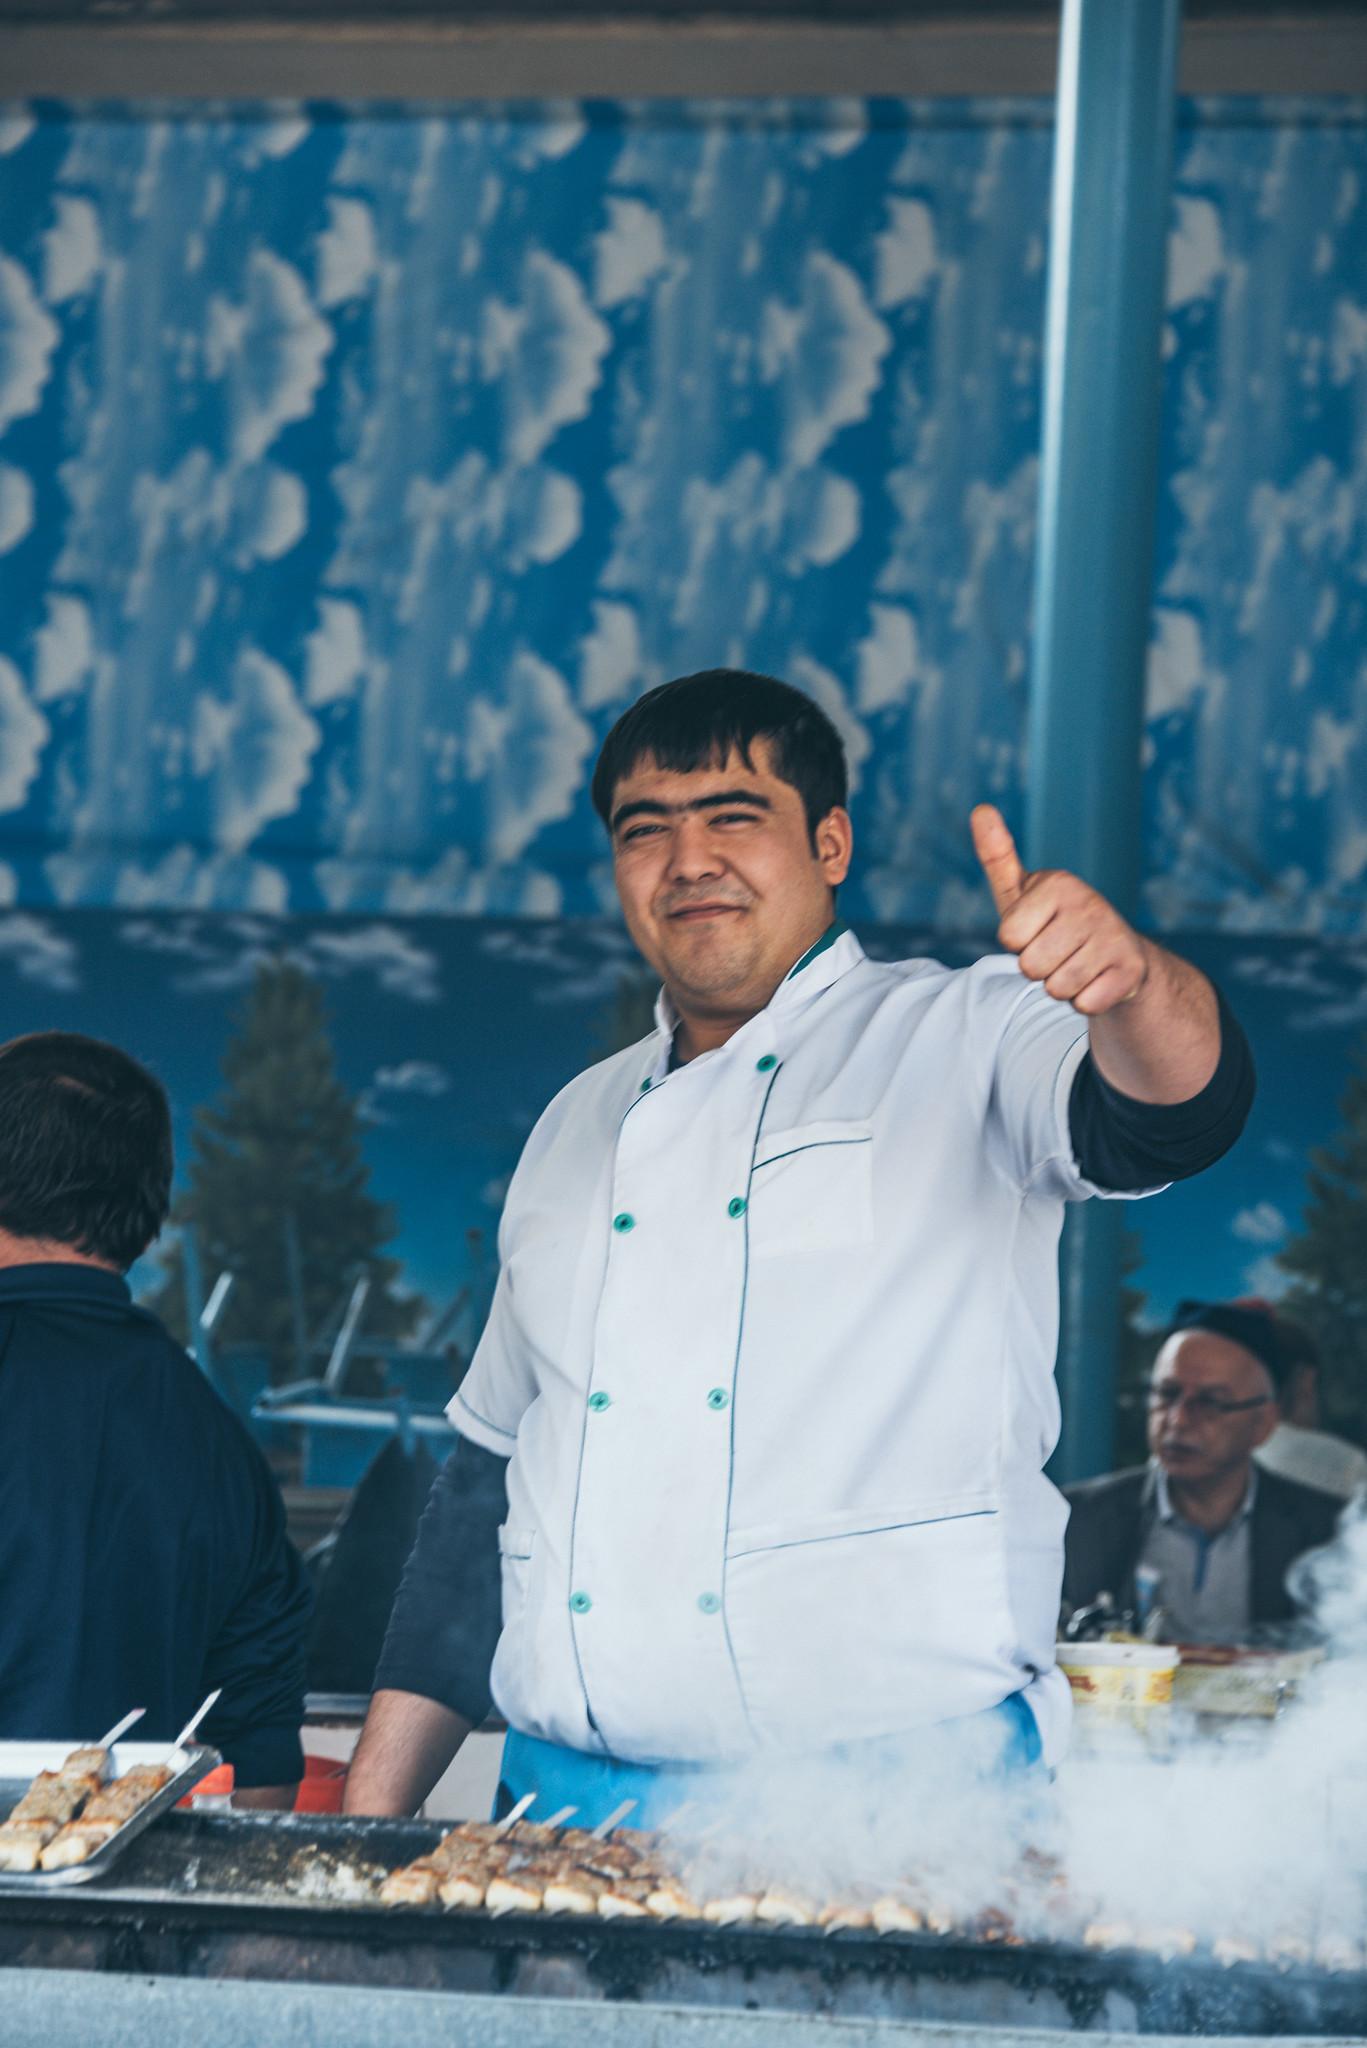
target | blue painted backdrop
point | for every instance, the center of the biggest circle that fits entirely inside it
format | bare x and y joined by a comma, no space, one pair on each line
454,1033
358,467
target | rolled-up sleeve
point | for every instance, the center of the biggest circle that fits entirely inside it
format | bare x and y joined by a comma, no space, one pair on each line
1060,1128
1122,1144
258,1654
499,1387
448,1613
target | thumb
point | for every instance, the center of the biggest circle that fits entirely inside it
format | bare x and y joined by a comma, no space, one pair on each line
997,856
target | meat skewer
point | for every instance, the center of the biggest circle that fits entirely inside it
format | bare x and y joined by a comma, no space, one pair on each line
853,1910
578,1869
780,1906
104,1814
672,1900
894,1913
55,1798
418,1883
456,1861
522,1866
67,1814
588,1871
627,1898
584,1872
93,1761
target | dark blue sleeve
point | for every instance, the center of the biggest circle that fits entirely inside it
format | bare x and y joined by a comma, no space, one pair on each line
258,1653
449,1610
1125,1145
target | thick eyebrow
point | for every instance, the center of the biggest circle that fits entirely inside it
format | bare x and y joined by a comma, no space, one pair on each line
648,807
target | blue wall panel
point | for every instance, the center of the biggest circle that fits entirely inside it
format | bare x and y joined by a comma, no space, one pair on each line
357,468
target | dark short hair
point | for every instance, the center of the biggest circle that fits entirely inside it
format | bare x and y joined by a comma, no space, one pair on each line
85,1146
1280,1347
700,721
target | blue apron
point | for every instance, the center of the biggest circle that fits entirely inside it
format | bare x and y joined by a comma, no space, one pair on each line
596,1785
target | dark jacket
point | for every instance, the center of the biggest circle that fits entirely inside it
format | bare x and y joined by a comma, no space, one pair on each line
1111,1517
143,1554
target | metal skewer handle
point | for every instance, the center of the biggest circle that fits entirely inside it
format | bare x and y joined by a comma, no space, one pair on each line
134,1715
512,1818
614,1819
198,1715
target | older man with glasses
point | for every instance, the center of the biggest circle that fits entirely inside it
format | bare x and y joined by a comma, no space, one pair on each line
1200,1532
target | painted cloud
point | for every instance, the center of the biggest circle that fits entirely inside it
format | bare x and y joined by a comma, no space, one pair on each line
28,337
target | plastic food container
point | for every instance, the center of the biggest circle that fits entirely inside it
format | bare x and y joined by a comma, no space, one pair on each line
1119,1677
322,1785
1243,1682
214,1793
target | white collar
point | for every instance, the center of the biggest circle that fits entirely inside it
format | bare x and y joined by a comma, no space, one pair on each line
1168,1513
834,954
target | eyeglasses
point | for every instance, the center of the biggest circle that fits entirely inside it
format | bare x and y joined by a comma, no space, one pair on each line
1167,1394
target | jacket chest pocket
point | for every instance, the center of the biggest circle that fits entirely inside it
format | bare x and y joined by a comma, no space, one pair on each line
515,1561
513,1657
811,1189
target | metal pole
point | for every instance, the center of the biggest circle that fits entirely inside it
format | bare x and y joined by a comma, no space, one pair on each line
1098,476
200,1341
294,1280
337,1364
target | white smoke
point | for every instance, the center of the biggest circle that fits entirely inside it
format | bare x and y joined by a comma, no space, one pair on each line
1237,1844
1171,1840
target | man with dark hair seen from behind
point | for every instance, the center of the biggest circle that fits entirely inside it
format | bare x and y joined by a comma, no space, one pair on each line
143,1554
1199,1541
755,1433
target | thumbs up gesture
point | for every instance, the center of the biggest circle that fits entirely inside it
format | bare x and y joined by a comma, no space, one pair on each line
1063,932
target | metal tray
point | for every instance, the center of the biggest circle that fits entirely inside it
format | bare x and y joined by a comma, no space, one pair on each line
20,1763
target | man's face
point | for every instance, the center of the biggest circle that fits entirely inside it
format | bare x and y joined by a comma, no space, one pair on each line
720,884
1194,1432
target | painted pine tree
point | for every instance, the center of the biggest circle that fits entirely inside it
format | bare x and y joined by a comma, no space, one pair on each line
278,1179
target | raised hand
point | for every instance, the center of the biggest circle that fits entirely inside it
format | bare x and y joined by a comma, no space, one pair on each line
1063,932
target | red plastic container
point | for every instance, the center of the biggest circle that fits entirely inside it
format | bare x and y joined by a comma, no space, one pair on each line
322,1785
211,1791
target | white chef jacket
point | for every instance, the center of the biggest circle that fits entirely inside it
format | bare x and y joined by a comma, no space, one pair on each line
772,1351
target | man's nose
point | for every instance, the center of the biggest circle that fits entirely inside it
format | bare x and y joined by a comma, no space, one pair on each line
692,851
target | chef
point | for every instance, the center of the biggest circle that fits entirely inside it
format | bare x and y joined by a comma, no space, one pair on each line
757,1428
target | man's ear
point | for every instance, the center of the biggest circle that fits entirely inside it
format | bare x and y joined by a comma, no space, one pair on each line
1302,1404
835,845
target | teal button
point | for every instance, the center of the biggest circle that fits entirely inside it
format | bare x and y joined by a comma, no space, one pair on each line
718,1398
624,1222
645,1084
766,1065
736,1206
709,1603
598,1402
580,1603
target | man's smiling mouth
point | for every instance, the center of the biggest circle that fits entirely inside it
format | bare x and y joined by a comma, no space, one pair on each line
694,913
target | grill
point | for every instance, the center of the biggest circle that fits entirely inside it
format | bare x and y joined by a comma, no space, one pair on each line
207,1895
